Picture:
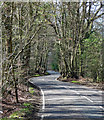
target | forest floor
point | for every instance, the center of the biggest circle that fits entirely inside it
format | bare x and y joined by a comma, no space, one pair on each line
28,106
29,102
84,81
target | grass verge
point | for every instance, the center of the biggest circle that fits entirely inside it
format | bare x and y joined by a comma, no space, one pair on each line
27,108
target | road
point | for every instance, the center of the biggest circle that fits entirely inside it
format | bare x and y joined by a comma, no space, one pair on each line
61,100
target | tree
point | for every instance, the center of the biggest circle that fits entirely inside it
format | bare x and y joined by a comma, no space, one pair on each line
75,24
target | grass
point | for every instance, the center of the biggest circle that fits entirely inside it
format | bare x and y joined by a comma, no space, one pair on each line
25,110
37,75
17,114
31,90
28,107
75,81
47,73
27,104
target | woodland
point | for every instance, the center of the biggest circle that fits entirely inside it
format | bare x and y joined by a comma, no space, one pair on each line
67,37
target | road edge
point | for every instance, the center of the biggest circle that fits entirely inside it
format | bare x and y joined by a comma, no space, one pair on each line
41,91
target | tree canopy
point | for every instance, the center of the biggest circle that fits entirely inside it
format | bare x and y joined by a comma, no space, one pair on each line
67,30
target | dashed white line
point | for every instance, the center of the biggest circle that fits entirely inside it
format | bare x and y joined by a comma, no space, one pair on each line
87,98
72,90
82,96
101,107
43,98
75,92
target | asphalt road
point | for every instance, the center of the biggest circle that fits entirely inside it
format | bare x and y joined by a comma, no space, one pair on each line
69,101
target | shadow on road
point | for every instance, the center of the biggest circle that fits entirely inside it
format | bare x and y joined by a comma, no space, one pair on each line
68,101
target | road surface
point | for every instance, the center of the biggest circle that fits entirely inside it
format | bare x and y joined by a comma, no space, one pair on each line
61,100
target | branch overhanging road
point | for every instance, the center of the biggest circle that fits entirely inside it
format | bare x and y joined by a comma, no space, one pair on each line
63,100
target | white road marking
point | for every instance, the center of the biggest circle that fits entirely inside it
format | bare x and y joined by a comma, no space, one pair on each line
43,98
87,98
82,91
43,107
101,107
42,117
67,87
72,90
75,92
82,96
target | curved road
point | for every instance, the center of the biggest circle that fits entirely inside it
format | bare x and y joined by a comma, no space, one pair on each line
69,101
